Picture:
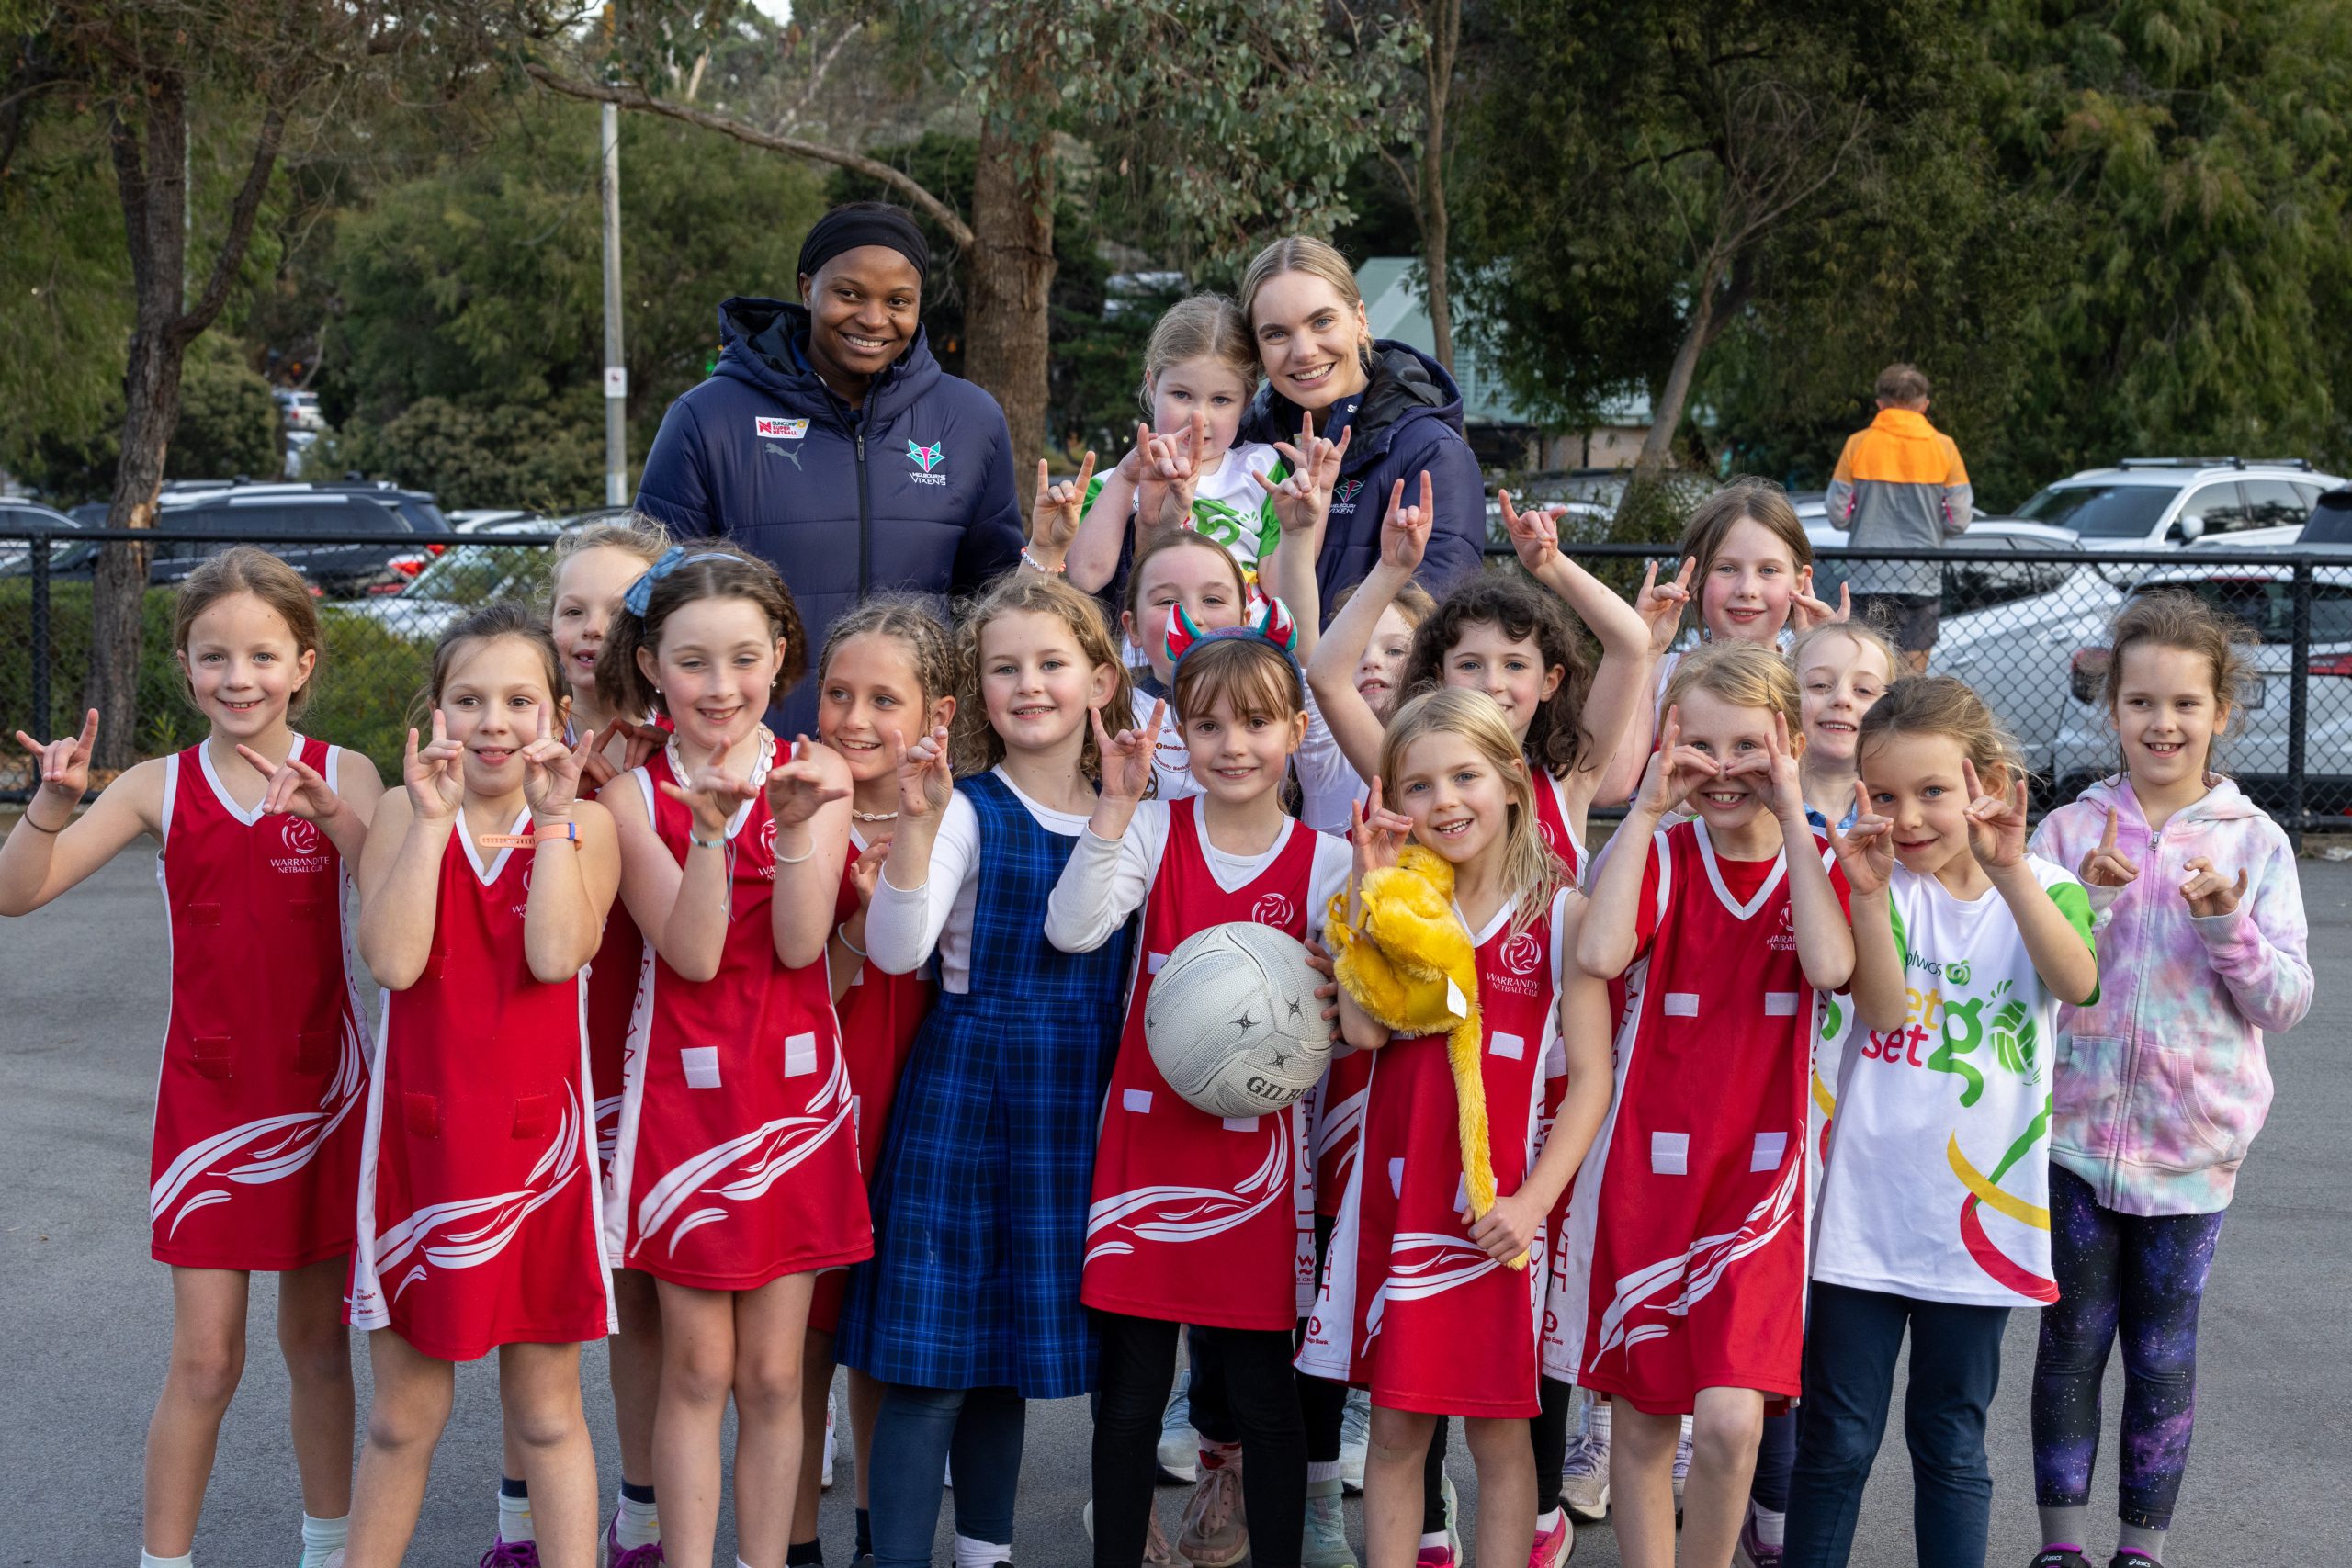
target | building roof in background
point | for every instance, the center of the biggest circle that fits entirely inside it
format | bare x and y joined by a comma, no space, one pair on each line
1394,306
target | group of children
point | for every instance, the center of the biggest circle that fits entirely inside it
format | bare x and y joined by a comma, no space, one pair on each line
758,1055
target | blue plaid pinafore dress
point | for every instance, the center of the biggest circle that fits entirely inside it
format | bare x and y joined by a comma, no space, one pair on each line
979,1205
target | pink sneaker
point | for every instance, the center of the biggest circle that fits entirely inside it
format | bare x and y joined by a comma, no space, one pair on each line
512,1554
1434,1557
1553,1546
620,1556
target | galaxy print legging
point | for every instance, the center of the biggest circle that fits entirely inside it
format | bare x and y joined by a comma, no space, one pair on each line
2139,1279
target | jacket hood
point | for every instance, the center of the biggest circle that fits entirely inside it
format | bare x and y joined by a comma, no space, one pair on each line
1905,424
762,346
2225,802
1405,387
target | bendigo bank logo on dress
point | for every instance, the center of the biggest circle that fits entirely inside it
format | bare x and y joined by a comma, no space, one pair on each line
302,853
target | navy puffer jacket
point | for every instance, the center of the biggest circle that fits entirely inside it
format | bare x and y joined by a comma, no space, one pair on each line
914,491
1408,418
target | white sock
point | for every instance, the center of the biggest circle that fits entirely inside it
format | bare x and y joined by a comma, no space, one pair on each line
148,1559
1435,1538
637,1523
1596,1419
321,1538
1218,1456
1322,1470
970,1553
514,1516
1548,1521
1768,1524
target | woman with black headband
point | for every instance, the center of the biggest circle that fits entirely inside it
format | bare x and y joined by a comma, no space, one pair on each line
829,442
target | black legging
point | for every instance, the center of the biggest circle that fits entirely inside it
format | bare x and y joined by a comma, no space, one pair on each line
1253,1368
1549,1431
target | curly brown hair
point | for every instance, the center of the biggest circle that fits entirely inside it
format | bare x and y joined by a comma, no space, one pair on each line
1556,740
709,569
975,745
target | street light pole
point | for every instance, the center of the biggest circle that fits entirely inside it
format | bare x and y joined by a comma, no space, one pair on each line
615,370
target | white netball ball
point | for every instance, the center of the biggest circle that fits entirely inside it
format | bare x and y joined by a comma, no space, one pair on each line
1233,1023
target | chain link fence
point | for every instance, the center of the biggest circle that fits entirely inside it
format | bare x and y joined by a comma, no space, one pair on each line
2024,620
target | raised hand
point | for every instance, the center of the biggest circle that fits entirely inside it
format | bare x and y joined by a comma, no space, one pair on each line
1674,771
1783,780
2207,894
866,870
713,793
1808,612
809,780
1059,509
1995,822
292,788
1405,531
1534,533
1142,467
1128,756
2107,867
1661,603
926,779
552,771
64,765
1378,834
1184,468
1866,851
436,777
1302,501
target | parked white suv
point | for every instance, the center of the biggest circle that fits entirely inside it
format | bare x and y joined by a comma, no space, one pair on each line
2154,504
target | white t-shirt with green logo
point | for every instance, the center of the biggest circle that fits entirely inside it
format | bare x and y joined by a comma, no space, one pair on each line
1938,1180
1231,507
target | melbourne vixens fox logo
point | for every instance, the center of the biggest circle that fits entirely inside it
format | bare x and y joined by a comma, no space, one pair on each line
927,459
1343,495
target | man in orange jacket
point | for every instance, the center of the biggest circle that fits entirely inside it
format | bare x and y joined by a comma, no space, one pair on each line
1900,485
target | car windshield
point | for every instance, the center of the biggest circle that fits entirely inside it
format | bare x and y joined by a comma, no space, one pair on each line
475,574
2267,604
2100,512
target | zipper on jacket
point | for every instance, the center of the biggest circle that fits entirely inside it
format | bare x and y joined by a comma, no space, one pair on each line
864,519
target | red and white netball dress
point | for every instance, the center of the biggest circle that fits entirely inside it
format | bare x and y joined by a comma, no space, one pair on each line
1411,1307
614,976
477,1200
1551,819
1194,1218
879,1016
738,1155
1686,1235
256,1135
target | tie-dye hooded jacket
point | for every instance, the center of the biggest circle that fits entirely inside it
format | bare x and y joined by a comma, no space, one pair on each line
2162,1083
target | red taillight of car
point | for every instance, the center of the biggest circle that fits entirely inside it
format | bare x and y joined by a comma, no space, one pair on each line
434,549
2086,674
2335,664
385,590
316,591
407,566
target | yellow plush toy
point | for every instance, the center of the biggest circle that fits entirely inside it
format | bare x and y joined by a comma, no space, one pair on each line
1412,968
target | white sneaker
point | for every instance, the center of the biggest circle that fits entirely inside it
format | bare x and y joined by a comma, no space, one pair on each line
1584,1478
1326,1541
1355,1438
1215,1529
1681,1463
825,1477
1453,1517
1180,1446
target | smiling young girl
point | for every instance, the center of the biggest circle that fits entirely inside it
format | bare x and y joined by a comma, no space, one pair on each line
887,678
1239,1265
970,1307
1934,1214
2161,1082
1686,1278
483,897
255,1144
1436,1311
1188,468
737,1165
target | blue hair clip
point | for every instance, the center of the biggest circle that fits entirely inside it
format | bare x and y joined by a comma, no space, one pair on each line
640,592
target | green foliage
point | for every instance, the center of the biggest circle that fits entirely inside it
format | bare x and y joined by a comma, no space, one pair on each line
227,425
548,458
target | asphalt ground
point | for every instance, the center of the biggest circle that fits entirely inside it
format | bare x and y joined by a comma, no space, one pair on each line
85,1313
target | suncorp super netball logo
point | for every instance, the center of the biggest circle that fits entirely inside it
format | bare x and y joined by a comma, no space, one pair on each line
300,844
1272,910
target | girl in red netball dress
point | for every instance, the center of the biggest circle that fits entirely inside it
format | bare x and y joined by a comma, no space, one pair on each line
887,677
257,1123
483,897
1420,1299
593,567
1196,1219
736,1167
1685,1289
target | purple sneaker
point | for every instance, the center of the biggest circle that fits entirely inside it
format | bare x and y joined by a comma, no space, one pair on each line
1751,1551
512,1554
620,1556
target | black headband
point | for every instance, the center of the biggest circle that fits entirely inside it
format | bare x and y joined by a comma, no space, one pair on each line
864,223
